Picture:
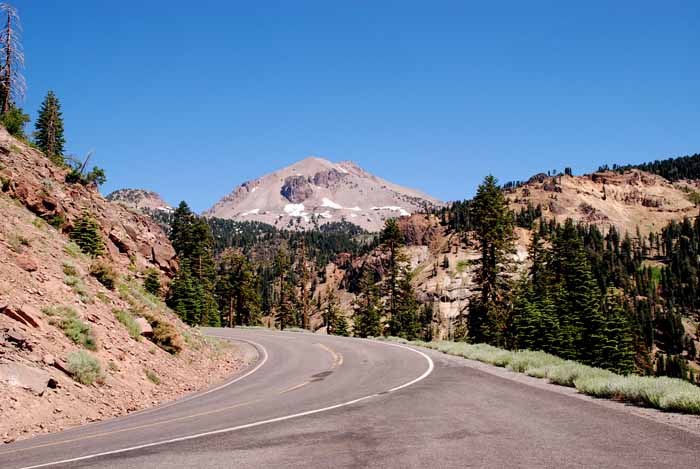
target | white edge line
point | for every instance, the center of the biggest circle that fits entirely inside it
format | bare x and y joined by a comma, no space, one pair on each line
431,367
217,388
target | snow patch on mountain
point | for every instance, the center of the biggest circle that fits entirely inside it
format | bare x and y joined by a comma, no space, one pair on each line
330,204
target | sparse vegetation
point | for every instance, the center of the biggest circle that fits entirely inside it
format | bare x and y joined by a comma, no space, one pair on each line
73,250
78,286
67,319
104,274
39,223
70,269
18,243
128,320
462,265
57,221
670,394
84,368
166,336
153,377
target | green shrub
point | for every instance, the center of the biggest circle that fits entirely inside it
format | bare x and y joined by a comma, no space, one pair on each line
71,325
84,368
86,234
79,332
5,183
57,221
128,320
152,377
14,121
104,274
462,265
94,176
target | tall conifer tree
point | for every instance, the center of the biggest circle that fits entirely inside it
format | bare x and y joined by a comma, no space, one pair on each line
49,129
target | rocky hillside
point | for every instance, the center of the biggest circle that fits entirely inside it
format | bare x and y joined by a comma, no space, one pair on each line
139,199
629,200
80,339
316,191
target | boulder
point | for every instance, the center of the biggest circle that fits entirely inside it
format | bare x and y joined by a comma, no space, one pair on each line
30,316
18,340
27,262
122,241
25,377
145,327
25,315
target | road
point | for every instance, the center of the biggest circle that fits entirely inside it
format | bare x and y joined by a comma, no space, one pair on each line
320,401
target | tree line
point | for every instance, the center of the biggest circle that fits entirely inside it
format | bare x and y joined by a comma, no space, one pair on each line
228,288
607,300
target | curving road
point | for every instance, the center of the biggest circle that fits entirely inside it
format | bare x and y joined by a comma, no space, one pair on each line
320,401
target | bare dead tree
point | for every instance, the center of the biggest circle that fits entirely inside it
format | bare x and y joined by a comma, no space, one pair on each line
12,83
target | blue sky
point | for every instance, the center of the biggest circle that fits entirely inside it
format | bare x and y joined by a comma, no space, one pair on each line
192,98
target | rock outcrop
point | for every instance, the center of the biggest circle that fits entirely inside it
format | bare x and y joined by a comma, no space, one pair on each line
38,184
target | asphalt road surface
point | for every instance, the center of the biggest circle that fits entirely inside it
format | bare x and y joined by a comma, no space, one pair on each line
318,401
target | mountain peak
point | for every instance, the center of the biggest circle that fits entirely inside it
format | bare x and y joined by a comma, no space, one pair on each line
316,191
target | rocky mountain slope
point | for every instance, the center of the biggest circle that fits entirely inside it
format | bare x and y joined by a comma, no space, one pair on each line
627,201
444,262
80,339
316,191
139,199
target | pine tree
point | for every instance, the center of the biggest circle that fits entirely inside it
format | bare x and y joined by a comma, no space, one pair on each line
395,266
489,313
236,290
333,318
152,282
180,233
49,129
193,242
86,234
404,323
367,316
579,306
614,347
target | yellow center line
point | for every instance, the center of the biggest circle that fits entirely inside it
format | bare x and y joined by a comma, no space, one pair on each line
337,357
293,388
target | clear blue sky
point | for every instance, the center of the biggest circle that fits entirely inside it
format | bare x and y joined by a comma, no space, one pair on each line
192,98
